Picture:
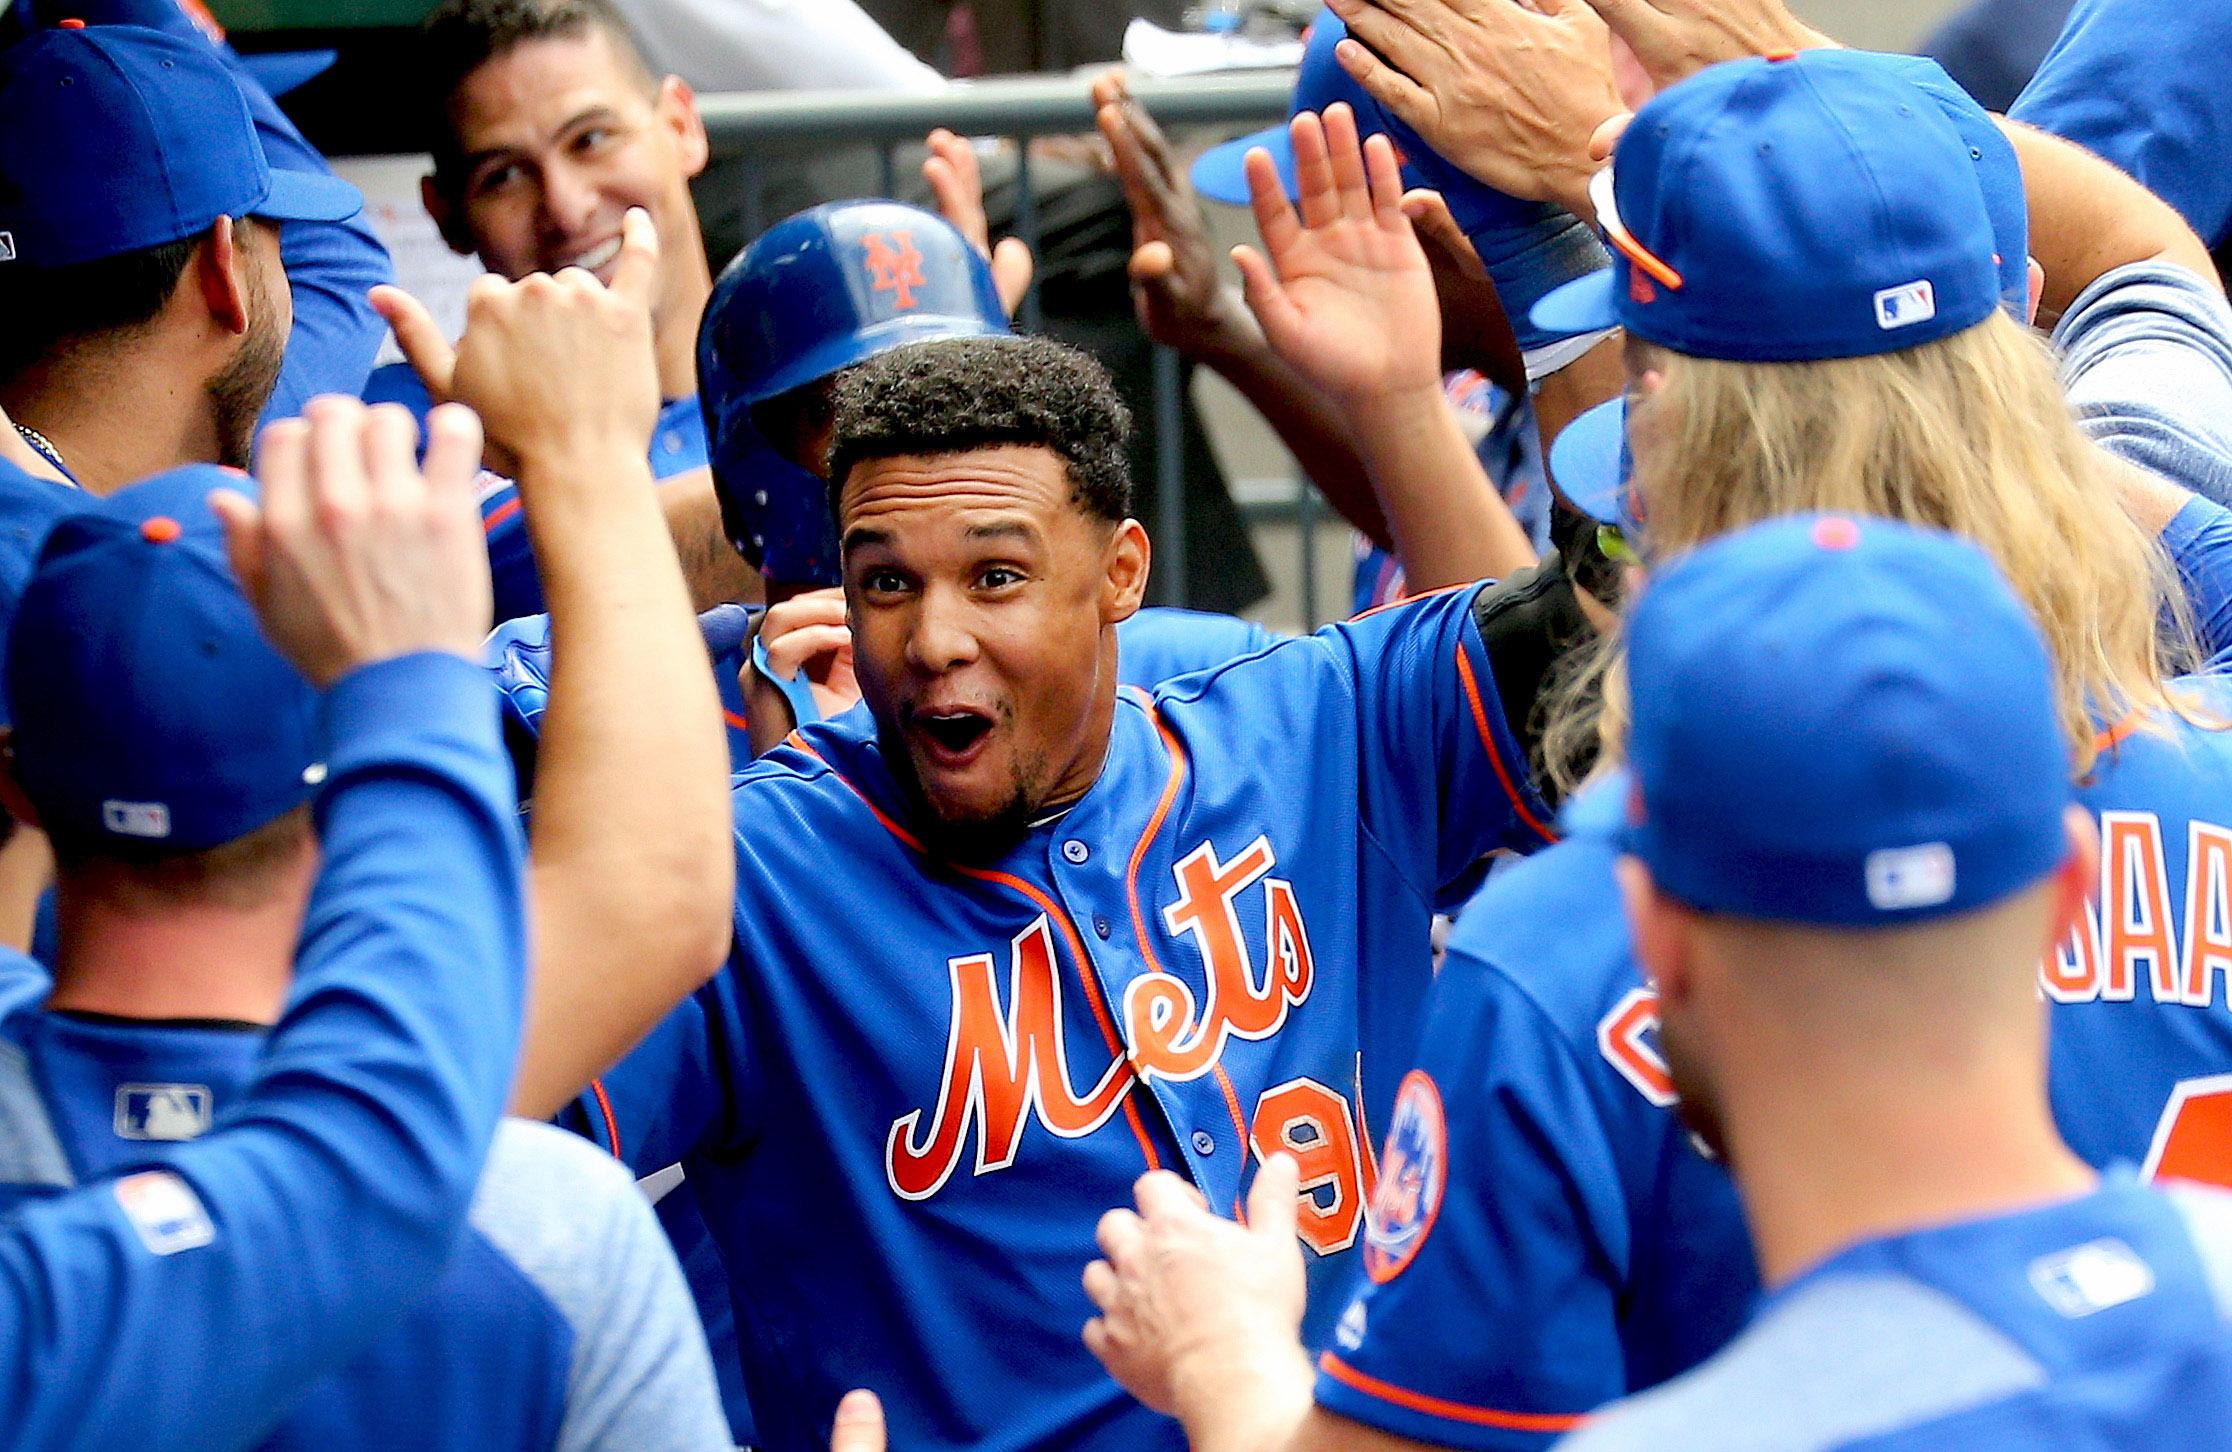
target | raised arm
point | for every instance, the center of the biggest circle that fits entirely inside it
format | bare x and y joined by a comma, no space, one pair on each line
632,862
1344,294
333,1195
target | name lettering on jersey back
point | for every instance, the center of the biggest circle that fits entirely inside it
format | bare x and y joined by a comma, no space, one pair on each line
2134,937
1005,1067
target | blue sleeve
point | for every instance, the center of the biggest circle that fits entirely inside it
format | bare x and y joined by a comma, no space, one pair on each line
2198,540
688,1087
1160,643
2141,83
187,1307
1514,1236
1443,781
2146,361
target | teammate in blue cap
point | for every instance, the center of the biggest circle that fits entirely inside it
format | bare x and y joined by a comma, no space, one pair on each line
333,1194
165,221
171,755
1840,883
1559,1201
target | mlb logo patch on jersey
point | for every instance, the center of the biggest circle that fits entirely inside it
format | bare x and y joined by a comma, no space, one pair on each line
2092,1277
165,1212
1413,1173
1903,307
162,1111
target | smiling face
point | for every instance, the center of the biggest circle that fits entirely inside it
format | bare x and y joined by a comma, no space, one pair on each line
984,597
555,139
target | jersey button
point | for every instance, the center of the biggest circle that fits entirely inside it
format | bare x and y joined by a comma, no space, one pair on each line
1100,925
1204,1142
1075,851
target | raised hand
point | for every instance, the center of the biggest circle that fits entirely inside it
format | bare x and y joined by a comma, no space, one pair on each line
806,634
859,1425
1509,92
958,185
1675,39
1201,1316
1476,332
1181,300
1346,296
355,553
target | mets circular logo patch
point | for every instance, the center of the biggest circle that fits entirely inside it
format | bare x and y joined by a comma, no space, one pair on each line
1413,1172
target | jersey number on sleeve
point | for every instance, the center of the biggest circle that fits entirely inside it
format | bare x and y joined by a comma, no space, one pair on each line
1315,1125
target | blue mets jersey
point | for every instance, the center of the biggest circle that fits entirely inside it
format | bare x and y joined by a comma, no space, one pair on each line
2101,1322
1595,1214
917,1086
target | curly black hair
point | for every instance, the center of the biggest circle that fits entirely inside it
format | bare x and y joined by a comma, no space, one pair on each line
961,394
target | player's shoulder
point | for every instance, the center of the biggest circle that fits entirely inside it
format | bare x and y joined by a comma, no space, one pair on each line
2205,1212
1331,653
556,1206
398,383
809,787
1836,1361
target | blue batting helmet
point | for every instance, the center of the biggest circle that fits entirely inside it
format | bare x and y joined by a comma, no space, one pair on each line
817,293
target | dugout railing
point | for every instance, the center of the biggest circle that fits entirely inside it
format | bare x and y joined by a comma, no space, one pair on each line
757,129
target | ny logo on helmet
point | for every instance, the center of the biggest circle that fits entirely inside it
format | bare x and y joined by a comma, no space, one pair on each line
894,266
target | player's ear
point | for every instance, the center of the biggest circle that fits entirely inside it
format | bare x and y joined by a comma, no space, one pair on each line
1125,561
11,790
678,108
449,218
1658,926
220,274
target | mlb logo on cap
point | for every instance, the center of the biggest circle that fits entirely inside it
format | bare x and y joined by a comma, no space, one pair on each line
1903,307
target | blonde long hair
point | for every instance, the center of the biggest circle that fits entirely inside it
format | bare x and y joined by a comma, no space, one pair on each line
1971,434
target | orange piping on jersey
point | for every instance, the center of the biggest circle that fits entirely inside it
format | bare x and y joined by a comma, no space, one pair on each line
1488,743
1139,917
1372,1386
730,718
2119,733
1411,600
501,513
604,1107
1054,913
1232,1106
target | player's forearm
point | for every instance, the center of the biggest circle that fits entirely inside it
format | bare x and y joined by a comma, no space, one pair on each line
632,863
1450,526
1253,1399
1305,422
2088,219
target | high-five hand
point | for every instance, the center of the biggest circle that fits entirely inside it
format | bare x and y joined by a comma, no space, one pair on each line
1346,295
957,183
1675,39
1509,92
354,553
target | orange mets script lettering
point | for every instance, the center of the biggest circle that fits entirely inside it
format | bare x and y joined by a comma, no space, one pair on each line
1003,1068
894,266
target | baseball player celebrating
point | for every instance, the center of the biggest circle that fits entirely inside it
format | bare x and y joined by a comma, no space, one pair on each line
1544,1175
1078,933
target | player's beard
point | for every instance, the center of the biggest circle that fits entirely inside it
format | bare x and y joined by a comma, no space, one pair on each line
239,390
976,840
1695,1102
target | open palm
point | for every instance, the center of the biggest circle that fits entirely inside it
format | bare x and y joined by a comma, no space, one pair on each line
1346,296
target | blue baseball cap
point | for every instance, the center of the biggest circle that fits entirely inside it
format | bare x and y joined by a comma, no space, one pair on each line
149,710
121,138
1787,210
1845,722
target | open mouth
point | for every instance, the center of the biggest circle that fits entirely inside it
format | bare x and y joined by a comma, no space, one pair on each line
952,737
